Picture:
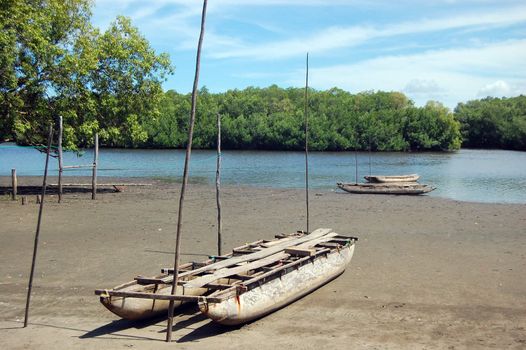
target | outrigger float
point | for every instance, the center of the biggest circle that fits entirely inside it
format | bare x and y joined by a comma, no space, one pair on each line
248,283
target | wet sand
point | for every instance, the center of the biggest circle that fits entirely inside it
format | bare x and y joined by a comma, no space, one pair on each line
427,272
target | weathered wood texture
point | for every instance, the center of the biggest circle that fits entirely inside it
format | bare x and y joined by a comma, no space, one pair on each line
218,184
14,184
60,158
95,163
185,172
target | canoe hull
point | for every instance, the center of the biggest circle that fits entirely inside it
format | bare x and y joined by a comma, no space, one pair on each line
395,188
392,178
279,292
140,309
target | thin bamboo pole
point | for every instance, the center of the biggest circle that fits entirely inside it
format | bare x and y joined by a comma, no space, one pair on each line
356,164
60,159
37,233
369,155
185,174
94,173
218,184
307,140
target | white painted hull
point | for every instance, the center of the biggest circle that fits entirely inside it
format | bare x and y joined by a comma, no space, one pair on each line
392,178
279,292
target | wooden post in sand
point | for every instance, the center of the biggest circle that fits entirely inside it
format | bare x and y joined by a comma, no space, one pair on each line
60,160
14,184
35,246
185,176
218,184
94,174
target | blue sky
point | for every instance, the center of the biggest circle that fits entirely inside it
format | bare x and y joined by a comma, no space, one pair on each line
445,50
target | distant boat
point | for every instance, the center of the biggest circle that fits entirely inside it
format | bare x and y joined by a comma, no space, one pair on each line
392,178
398,188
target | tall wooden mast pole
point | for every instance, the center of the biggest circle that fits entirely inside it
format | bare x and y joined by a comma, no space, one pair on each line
307,140
356,164
185,174
218,184
37,233
94,170
60,159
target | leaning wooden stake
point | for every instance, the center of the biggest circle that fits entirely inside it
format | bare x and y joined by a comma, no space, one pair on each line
14,184
307,140
60,160
185,175
218,184
94,174
35,246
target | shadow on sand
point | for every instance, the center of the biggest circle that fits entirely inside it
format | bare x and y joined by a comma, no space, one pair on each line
209,329
50,190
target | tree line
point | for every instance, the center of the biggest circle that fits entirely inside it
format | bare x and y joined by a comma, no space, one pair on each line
272,118
53,62
494,123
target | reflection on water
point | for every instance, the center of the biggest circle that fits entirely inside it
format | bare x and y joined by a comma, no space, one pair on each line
469,175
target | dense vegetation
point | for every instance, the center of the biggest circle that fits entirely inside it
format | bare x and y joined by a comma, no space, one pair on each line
494,123
54,62
273,118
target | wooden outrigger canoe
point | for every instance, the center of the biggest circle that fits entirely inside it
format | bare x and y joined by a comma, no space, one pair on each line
392,178
280,279
145,297
398,188
148,297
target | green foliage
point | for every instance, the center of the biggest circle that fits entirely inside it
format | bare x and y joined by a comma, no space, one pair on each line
494,123
54,62
273,118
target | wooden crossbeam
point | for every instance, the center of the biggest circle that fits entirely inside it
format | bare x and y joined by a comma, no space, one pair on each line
329,245
78,166
300,251
219,286
112,184
140,295
243,251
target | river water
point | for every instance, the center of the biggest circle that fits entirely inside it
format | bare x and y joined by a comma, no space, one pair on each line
493,176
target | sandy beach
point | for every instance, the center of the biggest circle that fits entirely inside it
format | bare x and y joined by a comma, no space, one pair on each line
428,273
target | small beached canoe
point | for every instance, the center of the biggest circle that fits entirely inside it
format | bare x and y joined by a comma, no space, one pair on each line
392,178
274,282
398,188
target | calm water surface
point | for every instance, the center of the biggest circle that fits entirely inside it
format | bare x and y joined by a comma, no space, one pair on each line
470,175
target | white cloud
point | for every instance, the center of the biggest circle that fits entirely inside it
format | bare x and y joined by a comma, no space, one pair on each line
456,72
498,88
339,37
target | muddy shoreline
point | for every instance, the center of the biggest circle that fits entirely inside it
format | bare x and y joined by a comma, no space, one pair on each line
427,272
